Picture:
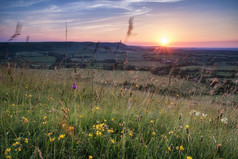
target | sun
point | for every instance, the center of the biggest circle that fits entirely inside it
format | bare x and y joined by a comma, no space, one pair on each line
164,41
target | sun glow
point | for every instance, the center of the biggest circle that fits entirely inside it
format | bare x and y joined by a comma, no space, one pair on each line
164,41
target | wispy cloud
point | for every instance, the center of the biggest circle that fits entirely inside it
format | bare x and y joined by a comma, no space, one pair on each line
159,1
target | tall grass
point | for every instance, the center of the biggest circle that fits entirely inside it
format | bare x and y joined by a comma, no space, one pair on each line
43,117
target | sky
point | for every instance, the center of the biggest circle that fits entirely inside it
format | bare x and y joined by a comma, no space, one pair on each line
184,23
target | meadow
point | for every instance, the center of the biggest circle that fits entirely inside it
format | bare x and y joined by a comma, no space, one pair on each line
93,113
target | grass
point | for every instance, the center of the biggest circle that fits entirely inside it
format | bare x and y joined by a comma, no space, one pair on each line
43,117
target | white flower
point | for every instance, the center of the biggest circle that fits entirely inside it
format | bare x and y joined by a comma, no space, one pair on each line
197,113
204,115
224,120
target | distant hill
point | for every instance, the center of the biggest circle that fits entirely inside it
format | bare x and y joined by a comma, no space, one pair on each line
59,47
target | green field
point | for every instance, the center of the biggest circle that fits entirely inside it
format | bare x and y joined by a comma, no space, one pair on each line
113,114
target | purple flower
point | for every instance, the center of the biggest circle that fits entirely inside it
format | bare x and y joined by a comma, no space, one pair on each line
74,86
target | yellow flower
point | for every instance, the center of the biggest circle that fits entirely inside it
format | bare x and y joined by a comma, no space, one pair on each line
19,149
9,157
188,157
112,141
181,148
19,138
61,136
45,117
90,135
130,134
29,96
110,131
169,149
98,133
177,148
151,121
145,146
7,150
90,157
81,116
186,127
171,132
52,139
44,122
26,140
97,108
112,119
153,133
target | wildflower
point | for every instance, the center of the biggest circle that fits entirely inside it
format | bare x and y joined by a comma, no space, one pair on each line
171,132
169,149
18,139
180,116
90,135
197,113
131,134
52,139
224,120
81,116
25,120
26,140
145,146
44,122
112,119
186,127
153,133
219,148
151,121
7,151
188,157
112,141
97,108
98,133
29,96
110,131
177,148
181,148
90,157
10,115
44,117
9,157
19,149
131,92
61,136
74,86
204,115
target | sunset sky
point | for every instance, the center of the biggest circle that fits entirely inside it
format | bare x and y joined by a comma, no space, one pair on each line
184,23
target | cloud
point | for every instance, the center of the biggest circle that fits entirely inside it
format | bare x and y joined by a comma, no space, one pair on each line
20,3
159,1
